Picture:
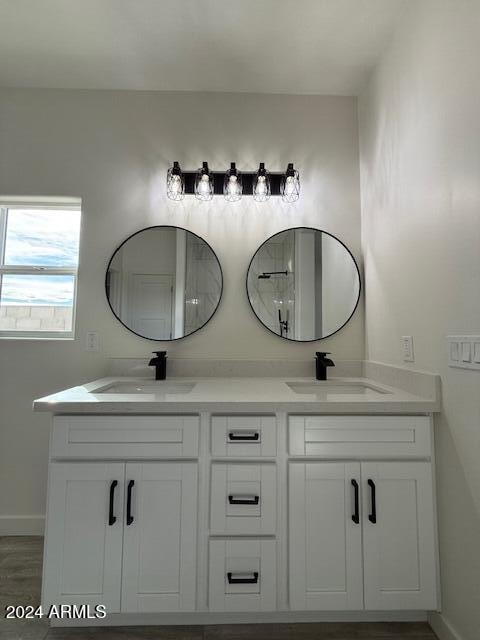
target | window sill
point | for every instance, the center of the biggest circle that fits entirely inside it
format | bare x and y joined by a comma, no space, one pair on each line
39,338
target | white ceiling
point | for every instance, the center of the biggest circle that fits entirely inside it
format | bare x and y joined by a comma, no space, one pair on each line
266,46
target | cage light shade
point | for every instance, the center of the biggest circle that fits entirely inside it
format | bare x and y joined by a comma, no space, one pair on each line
232,184
290,185
175,183
261,184
203,183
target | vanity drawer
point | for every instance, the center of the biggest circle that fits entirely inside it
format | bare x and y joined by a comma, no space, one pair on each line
243,499
242,575
244,436
360,436
125,437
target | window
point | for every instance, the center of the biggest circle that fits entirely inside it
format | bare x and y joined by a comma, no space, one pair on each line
39,244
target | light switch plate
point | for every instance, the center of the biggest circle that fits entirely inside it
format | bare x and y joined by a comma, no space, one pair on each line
476,352
464,352
407,347
454,351
91,341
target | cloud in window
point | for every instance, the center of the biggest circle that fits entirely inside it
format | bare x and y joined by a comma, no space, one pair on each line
39,237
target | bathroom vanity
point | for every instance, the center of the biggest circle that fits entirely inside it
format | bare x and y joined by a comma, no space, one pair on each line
207,500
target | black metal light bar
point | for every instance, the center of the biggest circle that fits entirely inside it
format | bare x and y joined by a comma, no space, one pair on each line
247,178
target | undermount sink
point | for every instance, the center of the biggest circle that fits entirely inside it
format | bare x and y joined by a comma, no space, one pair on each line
334,387
149,387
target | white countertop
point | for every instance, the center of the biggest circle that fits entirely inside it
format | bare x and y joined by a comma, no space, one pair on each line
237,395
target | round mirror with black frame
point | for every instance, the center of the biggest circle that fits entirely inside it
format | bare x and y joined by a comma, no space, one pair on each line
303,284
164,283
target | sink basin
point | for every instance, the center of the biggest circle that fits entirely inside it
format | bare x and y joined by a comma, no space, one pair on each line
327,388
151,387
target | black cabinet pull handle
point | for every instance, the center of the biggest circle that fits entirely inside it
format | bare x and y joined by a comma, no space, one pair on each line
252,436
129,502
373,514
111,518
239,580
356,513
244,500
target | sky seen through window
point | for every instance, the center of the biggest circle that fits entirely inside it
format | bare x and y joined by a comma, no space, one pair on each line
46,238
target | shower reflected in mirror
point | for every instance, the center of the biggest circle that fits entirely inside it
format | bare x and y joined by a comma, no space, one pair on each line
303,284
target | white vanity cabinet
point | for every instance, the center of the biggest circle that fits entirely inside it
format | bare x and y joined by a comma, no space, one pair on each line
159,546
325,545
399,543
333,506
361,533
83,548
241,514
123,534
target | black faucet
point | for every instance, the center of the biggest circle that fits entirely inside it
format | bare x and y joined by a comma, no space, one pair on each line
321,364
160,364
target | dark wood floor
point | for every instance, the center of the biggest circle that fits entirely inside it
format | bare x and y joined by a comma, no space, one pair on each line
20,577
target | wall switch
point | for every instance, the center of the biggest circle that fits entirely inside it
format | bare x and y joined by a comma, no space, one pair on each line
454,352
91,341
476,352
407,348
464,352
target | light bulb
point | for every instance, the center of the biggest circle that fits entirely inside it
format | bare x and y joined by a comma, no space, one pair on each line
175,183
261,184
290,186
232,185
204,186
203,183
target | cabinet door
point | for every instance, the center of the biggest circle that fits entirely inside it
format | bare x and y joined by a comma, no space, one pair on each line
83,551
325,536
159,553
399,541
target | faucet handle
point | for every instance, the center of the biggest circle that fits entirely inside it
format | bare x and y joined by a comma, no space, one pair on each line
320,354
160,354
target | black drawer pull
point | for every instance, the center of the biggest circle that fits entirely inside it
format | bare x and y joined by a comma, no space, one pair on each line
246,436
373,514
111,518
244,500
356,513
129,502
242,580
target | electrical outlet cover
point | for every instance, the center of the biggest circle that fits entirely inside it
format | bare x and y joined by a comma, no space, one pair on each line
91,341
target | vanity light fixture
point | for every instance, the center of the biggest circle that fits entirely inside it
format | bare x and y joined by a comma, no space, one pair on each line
290,185
175,183
261,184
232,184
204,183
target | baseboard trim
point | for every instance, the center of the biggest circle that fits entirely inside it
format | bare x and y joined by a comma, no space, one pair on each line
442,627
22,525
205,617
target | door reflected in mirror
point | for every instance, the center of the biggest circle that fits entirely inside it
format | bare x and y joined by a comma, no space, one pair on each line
303,284
164,283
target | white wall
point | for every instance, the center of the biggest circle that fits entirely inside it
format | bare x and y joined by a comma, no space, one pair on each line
112,149
420,180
